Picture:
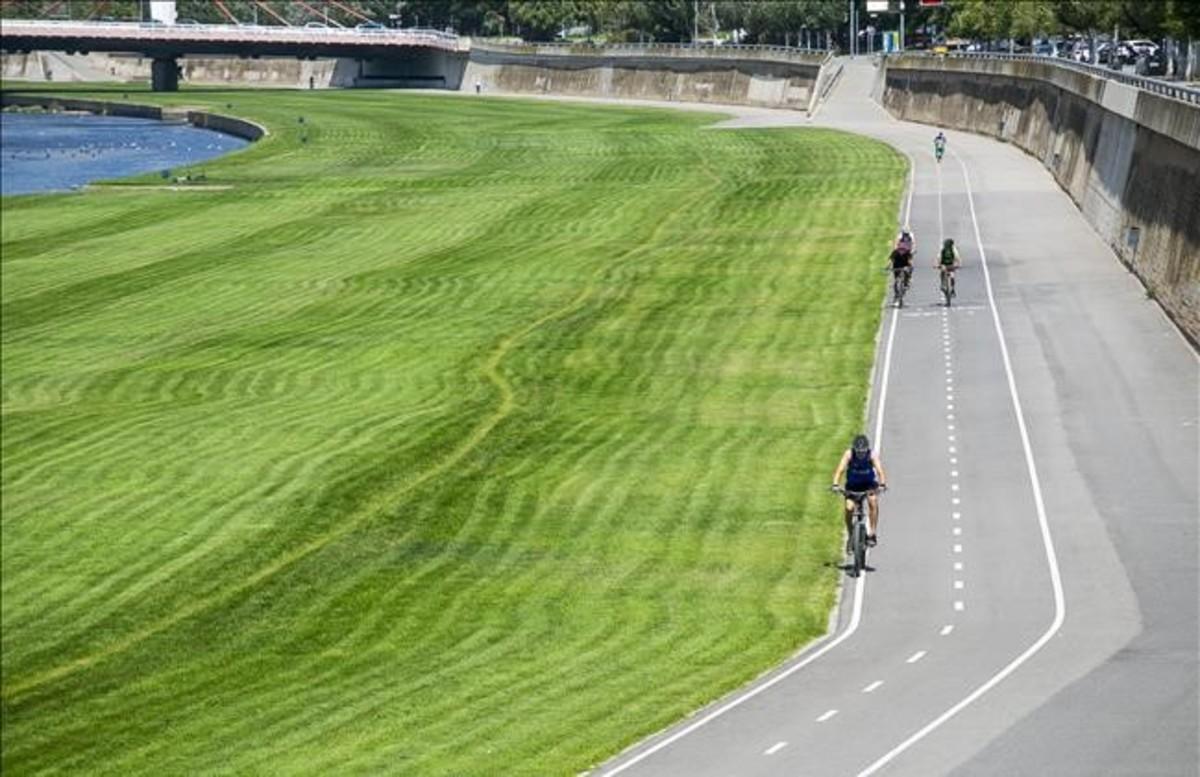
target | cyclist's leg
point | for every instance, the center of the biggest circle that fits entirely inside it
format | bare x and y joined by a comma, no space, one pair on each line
873,512
849,517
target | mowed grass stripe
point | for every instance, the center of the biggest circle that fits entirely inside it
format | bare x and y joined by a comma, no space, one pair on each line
496,444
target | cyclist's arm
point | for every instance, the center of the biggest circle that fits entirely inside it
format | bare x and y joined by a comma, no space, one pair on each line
957,258
841,468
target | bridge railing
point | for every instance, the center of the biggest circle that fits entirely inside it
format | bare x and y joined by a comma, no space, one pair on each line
156,31
1167,88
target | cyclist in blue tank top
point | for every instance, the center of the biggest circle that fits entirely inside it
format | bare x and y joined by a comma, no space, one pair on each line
864,472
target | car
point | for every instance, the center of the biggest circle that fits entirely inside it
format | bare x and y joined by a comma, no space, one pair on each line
369,27
317,26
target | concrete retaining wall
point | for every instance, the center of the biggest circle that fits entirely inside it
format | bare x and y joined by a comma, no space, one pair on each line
100,67
1130,159
213,121
705,75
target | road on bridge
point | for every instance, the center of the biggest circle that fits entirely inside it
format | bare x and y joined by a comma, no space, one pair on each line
1032,609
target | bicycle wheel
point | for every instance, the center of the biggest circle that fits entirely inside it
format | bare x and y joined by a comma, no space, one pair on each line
898,291
946,291
859,546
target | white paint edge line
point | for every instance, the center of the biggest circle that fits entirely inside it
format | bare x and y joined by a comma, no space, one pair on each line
872,686
915,657
855,614
1060,610
827,716
860,585
775,748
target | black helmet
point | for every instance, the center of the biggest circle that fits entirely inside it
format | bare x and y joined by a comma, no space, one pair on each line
861,444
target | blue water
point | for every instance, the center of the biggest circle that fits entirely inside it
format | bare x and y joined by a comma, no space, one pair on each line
42,152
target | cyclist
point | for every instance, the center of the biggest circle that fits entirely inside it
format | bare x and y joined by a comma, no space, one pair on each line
902,261
949,261
864,472
939,145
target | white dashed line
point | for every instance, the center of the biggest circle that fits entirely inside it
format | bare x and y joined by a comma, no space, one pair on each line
958,565
958,548
957,531
872,686
956,515
775,748
827,716
946,630
953,473
915,657
956,501
959,606
958,585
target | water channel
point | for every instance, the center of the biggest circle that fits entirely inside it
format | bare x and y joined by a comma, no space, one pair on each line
44,152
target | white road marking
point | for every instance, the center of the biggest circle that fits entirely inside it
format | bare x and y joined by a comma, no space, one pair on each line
827,716
959,606
957,531
953,486
775,748
872,686
955,501
958,585
915,657
958,565
953,473
958,548
855,612
956,515
1060,608
946,630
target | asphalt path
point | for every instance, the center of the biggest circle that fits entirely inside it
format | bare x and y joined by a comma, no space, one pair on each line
1032,607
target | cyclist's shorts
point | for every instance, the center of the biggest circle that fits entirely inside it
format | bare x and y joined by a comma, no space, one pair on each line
862,485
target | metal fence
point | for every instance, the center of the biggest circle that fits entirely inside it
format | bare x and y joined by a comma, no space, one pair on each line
1167,88
700,51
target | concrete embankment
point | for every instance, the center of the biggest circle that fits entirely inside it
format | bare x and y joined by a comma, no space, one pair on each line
93,67
779,78
216,122
1130,159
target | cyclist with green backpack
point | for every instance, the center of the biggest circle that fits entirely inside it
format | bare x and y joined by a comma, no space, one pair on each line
939,145
948,262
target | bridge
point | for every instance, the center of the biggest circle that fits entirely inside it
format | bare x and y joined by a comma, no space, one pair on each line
164,43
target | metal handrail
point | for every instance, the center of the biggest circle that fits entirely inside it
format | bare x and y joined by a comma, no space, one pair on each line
567,48
1166,88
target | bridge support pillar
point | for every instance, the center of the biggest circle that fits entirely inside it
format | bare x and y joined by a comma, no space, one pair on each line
164,74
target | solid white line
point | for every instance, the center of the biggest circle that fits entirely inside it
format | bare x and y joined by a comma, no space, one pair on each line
827,716
915,657
775,748
860,585
1060,609
872,686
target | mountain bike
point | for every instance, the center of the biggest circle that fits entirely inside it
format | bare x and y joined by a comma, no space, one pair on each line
857,543
900,281
947,284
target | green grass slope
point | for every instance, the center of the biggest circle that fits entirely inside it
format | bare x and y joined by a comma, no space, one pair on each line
464,438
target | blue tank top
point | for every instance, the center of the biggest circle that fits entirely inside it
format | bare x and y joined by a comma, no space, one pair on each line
861,471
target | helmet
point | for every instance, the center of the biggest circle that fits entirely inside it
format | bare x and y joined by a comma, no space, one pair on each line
949,242
861,444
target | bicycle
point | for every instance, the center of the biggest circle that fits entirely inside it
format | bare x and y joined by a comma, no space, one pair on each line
948,290
858,532
900,280
938,151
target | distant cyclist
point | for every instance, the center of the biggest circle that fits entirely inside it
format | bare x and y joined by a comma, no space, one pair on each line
864,472
939,145
949,261
902,264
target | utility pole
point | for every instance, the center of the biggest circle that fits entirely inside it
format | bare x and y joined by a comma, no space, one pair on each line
695,22
852,42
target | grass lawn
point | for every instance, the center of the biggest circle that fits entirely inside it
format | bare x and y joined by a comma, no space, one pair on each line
469,437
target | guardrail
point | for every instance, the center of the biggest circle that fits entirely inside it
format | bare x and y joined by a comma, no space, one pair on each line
242,33
733,50
1166,88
